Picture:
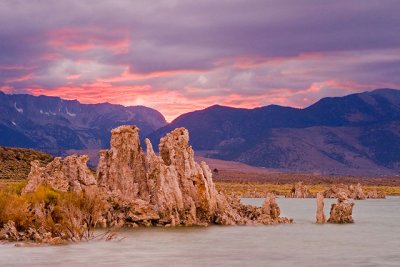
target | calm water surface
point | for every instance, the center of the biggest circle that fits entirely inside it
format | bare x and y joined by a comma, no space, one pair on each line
374,240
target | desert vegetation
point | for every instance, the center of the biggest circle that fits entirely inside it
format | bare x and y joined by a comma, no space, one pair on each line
15,163
48,216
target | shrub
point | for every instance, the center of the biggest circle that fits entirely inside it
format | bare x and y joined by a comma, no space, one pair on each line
81,213
71,216
15,208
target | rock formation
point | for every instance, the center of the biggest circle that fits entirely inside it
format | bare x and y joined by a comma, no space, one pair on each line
35,177
270,206
121,169
341,212
354,192
300,190
148,189
357,192
233,212
68,174
320,209
181,188
374,194
9,232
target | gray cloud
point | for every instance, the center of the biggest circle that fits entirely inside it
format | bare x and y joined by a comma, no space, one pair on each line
356,41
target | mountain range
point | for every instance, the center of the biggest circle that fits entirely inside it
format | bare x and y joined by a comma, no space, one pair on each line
55,125
358,134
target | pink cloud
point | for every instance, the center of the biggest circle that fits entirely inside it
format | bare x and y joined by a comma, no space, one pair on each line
6,89
15,67
22,78
73,76
128,75
94,92
80,40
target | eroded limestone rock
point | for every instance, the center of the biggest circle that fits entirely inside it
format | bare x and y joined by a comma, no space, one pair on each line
68,174
238,213
300,190
177,188
121,169
168,189
270,207
320,217
181,188
29,237
35,177
356,192
9,232
374,194
341,212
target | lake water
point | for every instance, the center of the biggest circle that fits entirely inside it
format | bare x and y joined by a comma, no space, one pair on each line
374,240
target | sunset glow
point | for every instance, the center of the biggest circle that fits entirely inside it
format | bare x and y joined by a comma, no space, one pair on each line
136,53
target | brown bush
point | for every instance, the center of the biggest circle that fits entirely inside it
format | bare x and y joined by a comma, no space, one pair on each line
70,216
81,213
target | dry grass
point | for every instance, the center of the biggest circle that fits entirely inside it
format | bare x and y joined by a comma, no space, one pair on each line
308,178
257,183
11,183
15,163
254,189
69,216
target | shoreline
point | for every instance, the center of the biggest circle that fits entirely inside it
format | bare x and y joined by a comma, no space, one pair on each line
259,189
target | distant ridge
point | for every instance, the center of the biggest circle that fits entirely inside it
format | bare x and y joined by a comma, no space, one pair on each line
358,134
55,125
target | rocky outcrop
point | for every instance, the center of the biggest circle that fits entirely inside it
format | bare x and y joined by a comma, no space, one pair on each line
171,187
168,189
9,232
35,177
68,174
270,207
181,188
121,169
300,190
320,217
341,212
356,192
374,194
233,212
334,190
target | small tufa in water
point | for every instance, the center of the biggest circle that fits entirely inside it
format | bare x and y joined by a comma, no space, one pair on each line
341,212
320,209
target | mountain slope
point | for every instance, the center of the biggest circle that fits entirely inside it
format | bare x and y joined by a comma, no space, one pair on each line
356,134
55,125
15,163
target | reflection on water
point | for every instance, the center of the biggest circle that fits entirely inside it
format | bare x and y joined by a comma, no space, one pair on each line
374,240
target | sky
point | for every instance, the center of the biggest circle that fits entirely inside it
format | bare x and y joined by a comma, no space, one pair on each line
180,55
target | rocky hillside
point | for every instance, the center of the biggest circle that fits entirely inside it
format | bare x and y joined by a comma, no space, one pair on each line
15,163
358,134
55,125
